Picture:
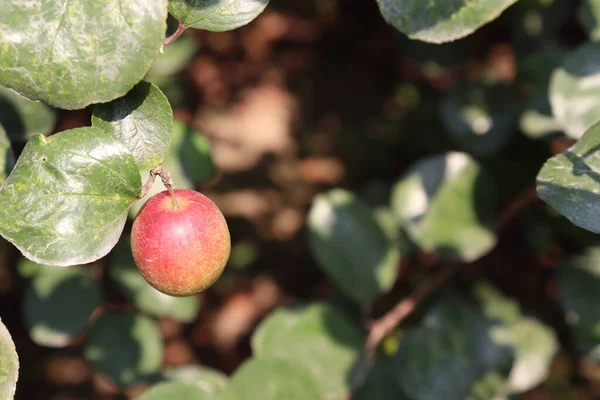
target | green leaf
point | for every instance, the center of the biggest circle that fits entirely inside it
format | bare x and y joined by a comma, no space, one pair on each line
210,380
570,182
588,14
535,23
317,337
175,390
380,384
446,204
125,346
189,162
22,118
274,379
575,90
537,121
495,305
578,280
73,53
9,365
535,344
144,296
142,119
455,352
440,21
175,57
481,119
350,246
7,158
66,200
28,269
59,303
195,153
216,15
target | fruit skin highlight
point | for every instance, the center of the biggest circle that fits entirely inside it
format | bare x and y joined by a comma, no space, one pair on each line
180,250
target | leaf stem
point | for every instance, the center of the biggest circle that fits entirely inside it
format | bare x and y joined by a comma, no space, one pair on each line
180,29
383,326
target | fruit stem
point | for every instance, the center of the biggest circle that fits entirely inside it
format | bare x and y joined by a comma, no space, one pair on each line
166,180
172,193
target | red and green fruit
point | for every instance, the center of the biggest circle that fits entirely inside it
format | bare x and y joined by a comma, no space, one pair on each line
181,247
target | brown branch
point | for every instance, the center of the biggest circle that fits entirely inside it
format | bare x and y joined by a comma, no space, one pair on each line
384,325
512,209
180,29
151,178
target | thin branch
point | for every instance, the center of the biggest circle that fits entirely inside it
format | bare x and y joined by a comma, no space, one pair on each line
180,29
151,178
386,324
526,198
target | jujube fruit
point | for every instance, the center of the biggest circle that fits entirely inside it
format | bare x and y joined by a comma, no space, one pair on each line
180,249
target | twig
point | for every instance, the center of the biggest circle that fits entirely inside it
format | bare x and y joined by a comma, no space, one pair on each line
166,180
526,198
151,178
384,325
173,37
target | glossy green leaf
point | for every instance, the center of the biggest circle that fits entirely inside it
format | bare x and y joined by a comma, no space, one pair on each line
575,90
58,304
350,246
9,365
66,200
125,346
208,379
570,183
455,352
446,204
144,296
73,53
22,118
481,119
188,162
318,338
273,379
589,16
216,15
175,391
443,20
578,280
142,119
7,157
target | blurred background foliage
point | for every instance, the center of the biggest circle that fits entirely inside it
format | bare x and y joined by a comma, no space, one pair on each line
352,165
